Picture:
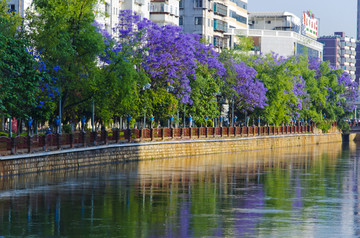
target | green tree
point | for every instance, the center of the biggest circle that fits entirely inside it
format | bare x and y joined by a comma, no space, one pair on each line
204,87
65,34
19,75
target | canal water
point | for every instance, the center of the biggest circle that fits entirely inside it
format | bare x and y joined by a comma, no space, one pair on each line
310,191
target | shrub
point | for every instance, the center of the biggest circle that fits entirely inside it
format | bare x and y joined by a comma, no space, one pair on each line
324,126
67,128
343,125
4,134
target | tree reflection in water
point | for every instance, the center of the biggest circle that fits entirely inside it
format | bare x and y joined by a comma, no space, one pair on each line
292,191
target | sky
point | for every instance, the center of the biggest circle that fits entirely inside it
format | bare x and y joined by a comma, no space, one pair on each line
334,15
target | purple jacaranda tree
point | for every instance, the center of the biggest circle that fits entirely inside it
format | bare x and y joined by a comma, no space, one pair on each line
350,93
169,56
249,92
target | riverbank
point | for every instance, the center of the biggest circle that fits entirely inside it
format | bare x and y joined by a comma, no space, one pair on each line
115,153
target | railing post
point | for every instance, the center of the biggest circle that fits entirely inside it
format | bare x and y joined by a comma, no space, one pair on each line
221,131
71,140
45,142
58,141
83,138
190,132
152,133
172,133
13,145
129,135
206,132
106,141
117,135
94,135
29,144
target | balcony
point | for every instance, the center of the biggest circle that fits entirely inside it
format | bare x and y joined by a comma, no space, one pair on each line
159,7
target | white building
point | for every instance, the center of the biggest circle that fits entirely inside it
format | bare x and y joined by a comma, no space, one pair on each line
283,33
282,21
213,18
284,43
165,12
19,6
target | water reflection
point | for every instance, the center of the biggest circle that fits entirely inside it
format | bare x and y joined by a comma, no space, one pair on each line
293,192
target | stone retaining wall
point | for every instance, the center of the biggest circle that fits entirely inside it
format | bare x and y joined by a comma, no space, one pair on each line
72,158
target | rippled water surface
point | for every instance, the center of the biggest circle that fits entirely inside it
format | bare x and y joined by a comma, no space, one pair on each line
294,192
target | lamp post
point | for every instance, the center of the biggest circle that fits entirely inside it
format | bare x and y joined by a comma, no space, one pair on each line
184,117
57,123
247,121
206,120
30,121
235,119
259,122
10,127
152,121
83,120
93,116
171,121
232,112
221,121
190,121
145,87
128,121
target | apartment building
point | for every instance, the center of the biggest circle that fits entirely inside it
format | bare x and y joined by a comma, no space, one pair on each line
106,13
165,12
340,51
212,19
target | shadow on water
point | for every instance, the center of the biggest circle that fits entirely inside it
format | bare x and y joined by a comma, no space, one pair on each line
290,192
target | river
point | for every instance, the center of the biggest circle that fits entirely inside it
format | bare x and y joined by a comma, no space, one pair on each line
310,191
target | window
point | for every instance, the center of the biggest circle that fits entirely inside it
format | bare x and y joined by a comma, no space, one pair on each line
181,4
238,17
181,21
240,3
220,25
11,8
198,3
220,9
198,20
268,22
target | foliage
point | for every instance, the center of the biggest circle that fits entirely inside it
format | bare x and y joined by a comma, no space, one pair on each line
343,125
324,126
244,44
67,128
20,78
64,33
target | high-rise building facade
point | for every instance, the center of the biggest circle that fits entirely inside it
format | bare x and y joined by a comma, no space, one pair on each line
165,12
340,51
357,64
213,19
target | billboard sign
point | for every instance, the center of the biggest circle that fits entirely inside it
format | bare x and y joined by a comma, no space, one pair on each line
310,25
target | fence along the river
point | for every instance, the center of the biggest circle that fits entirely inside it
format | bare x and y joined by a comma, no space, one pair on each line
40,143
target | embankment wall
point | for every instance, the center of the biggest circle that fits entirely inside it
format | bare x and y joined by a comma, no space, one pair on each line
73,158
